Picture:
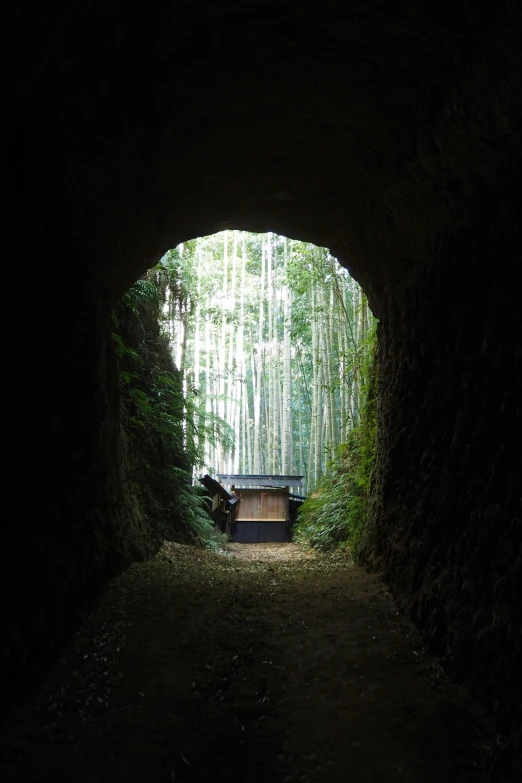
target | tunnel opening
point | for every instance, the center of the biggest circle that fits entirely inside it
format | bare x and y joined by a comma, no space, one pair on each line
273,346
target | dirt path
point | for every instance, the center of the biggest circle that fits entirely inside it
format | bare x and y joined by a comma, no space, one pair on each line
267,664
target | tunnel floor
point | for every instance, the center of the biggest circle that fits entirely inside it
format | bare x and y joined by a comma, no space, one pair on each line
263,664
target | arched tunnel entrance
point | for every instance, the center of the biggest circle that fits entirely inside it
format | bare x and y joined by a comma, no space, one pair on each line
391,136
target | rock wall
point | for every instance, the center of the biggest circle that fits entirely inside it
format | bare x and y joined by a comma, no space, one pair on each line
74,520
446,523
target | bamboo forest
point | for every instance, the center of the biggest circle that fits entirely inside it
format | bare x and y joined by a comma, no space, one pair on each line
272,338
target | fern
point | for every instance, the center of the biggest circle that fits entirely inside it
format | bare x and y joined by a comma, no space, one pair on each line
162,425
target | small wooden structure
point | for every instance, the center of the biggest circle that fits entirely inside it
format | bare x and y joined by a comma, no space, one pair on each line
264,512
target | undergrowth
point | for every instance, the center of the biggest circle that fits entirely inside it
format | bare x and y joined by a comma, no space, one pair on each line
335,514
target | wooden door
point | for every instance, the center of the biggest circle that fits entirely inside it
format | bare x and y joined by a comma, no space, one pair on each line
263,506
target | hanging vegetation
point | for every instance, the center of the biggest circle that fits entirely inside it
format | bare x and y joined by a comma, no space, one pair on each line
157,462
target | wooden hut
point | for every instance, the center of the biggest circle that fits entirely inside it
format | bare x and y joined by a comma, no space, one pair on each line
264,511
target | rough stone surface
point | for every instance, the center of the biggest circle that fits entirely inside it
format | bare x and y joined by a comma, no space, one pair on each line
391,134
75,524
364,128
446,522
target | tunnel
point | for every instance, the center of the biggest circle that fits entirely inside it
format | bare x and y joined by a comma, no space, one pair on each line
389,133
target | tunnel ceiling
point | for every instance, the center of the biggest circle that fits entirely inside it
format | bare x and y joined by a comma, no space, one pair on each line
356,126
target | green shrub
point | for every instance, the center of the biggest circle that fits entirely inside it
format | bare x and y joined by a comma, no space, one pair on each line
335,514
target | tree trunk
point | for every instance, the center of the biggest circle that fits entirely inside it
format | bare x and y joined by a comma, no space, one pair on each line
259,370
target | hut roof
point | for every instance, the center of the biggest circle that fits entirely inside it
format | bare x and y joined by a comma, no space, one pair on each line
260,480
